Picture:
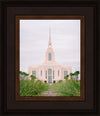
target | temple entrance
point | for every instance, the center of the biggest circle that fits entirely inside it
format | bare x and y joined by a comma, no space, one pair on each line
50,76
54,81
49,79
45,81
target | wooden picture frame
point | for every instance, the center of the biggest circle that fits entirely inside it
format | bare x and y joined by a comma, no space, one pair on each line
47,98
11,12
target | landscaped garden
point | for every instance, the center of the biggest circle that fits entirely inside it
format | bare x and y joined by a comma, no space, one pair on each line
67,88
36,87
32,87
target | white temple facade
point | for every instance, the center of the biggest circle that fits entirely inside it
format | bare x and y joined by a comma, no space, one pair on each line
50,71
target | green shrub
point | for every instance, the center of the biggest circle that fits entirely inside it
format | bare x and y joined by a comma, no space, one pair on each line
60,81
67,88
66,77
33,77
23,73
32,88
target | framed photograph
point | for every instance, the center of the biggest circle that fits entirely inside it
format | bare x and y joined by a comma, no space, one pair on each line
49,57
39,76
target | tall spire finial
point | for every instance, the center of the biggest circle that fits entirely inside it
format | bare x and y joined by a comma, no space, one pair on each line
49,37
49,33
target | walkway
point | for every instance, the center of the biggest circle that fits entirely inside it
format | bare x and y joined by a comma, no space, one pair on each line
50,92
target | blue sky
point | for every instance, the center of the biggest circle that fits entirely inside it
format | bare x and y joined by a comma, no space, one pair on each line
34,37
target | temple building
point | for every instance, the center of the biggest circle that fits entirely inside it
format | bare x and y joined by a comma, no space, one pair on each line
50,71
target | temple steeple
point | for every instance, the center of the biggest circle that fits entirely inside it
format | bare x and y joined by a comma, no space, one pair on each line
49,57
49,44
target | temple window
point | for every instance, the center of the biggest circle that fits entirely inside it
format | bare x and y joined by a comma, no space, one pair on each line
41,72
46,75
58,72
34,73
65,73
49,71
53,74
49,56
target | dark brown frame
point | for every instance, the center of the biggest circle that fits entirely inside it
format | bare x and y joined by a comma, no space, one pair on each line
90,9
34,98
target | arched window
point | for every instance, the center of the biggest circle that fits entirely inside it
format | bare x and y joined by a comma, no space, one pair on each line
53,74
65,73
49,71
41,72
49,56
58,72
34,73
46,75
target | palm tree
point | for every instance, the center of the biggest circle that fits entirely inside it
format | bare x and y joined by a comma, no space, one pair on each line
26,74
23,73
33,77
71,74
66,77
76,73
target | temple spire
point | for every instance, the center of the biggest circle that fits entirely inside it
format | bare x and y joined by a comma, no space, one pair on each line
49,45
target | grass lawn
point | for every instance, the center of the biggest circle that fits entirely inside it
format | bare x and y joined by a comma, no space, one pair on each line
67,88
32,88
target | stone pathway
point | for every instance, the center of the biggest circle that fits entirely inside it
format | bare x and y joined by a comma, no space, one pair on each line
50,92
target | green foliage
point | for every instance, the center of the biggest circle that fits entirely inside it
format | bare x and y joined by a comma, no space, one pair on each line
32,88
71,74
36,87
39,81
67,88
33,77
66,77
20,72
76,73
60,81
23,73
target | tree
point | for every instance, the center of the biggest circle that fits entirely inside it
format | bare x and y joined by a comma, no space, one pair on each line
66,77
71,74
76,73
33,77
26,74
23,74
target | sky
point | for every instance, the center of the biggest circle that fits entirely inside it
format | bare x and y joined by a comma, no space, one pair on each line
65,38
